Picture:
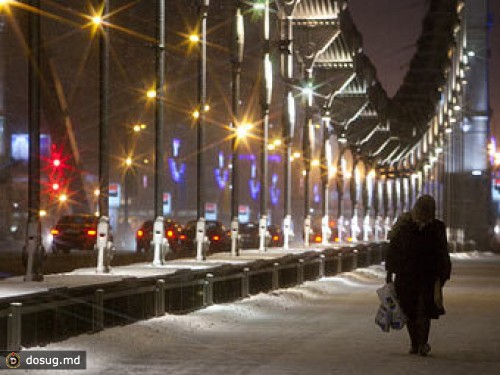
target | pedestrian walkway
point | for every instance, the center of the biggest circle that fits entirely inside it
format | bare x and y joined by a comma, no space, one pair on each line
321,327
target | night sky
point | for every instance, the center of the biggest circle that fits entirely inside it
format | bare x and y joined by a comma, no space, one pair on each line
390,29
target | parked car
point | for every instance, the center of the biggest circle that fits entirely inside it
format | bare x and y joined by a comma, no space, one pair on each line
276,238
249,235
216,232
144,235
74,232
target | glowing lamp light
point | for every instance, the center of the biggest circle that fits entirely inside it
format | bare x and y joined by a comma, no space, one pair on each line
151,94
56,162
317,239
91,232
296,155
128,161
194,38
55,186
206,107
54,231
97,20
140,233
97,192
170,233
42,213
63,198
242,130
315,163
196,114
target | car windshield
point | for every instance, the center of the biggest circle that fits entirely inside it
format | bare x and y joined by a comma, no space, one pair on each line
83,220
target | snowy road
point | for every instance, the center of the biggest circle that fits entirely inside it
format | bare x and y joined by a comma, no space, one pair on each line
321,327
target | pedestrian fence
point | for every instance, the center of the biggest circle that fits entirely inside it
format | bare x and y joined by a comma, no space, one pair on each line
59,313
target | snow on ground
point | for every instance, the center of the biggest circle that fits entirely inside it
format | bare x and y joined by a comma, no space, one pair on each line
321,327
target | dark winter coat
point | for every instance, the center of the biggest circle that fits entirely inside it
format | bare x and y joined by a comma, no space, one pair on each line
418,257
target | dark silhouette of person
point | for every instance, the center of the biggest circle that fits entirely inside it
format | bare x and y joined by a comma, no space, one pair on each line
418,257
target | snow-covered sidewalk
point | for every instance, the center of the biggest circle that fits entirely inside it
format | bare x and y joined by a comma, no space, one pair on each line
321,327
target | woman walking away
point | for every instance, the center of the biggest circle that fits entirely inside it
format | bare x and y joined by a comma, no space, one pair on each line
418,257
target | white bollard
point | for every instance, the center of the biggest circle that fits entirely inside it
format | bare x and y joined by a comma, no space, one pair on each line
102,242
262,233
158,240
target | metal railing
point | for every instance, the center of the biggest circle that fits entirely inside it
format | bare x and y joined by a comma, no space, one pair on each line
60,313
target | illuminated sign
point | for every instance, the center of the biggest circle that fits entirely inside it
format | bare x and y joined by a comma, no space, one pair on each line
177,170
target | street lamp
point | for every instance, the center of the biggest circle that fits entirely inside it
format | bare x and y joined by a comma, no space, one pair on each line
103,225
286,48
202,98
236,59
33,250
159,241
265,103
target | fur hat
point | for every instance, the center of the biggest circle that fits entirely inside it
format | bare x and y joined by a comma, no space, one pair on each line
424,209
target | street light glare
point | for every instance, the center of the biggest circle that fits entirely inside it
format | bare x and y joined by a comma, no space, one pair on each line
242,130
151,94
128,161
194,38
97,20
196,114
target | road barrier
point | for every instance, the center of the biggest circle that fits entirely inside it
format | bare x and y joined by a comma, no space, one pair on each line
40,318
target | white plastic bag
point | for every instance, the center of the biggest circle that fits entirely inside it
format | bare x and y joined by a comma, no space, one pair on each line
388,299
383,318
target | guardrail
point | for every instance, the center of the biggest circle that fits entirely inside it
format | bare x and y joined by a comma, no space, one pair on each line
40,318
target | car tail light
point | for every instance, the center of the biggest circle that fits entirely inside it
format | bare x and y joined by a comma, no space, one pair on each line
170,233
140,233
317,239
54,232
337,239
183,237
349,239
276,238
91,232
215,238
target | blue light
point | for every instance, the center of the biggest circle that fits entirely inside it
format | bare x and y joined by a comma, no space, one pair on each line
274,190
176,171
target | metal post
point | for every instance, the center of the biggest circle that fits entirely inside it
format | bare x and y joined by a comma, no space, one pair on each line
288,123
159,232
33,250
245,283
339,263
236,60
325,228
202,98
265,103
160,297
103,140
209,289
98,311
321,270
355,253
14,326
275,276
300,271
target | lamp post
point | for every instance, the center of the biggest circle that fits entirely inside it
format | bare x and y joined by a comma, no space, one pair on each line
236,60
33,250
265,103
103,226
158,228
202,98
325,159
288,123
306,149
